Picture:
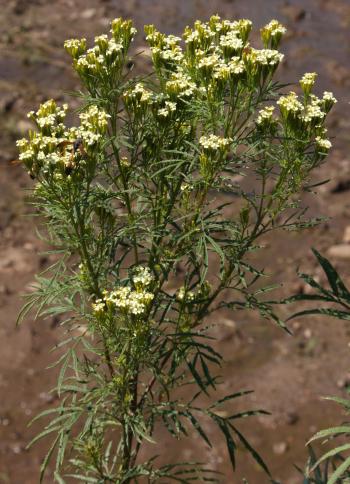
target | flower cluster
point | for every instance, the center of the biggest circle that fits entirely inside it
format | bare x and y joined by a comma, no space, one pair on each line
266,57
138,98
106,55
180,86
231,43
183,295
306,118
272,33
323,144
313,113
142,277
214,143
217,50
93,124
165,49
127,299
290,104
261,63
265,116
167,110
54,146
307,82
328,101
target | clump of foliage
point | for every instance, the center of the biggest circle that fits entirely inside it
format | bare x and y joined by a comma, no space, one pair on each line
333,466
145,248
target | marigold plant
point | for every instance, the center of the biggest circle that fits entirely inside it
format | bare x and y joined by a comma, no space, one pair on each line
152,227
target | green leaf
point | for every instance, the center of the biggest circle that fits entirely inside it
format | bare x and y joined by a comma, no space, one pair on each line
251,450
47,458
339,472
333,431
336,283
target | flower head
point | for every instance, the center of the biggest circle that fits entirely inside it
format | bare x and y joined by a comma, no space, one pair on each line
307,82
272,33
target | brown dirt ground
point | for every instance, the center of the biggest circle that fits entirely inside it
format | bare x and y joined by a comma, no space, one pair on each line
288,374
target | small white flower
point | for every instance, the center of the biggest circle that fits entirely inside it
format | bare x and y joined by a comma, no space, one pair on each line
290,103
323,144
213,142
328,96
265,115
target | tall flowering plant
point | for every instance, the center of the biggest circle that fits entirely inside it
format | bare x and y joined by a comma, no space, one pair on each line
146,248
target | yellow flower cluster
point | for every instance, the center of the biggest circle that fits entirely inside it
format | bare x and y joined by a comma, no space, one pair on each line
213,142
323,144
290,104
216,49
56,146
129,300
265,115
106,55
167,110
183,295
307,115
307,82
272,33
180,85
138,98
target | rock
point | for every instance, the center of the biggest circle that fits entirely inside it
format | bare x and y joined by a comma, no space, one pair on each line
280,448
28,246
340,251
346,236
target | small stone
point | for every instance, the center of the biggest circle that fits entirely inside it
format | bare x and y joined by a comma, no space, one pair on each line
307,333
280,448
46,397
346,236
340,251
344,382
296,326
28,246
88,13
229,323
17,449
